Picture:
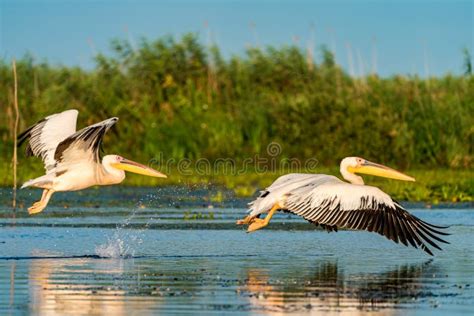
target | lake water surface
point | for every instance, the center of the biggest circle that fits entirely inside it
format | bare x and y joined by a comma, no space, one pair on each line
124,251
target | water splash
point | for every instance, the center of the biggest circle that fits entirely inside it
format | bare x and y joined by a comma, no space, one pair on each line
124,243
117,246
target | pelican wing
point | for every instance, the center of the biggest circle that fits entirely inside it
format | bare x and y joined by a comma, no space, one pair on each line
82,146
44,136
277,189
329,202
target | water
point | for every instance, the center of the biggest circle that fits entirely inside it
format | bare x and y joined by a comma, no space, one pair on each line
177,251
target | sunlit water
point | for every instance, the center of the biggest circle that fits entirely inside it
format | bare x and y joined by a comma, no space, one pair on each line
136,251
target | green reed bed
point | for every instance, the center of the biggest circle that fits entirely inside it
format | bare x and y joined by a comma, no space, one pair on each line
178,99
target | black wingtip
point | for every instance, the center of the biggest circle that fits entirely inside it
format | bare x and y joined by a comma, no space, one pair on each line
427,250
434,226
27,133
23,136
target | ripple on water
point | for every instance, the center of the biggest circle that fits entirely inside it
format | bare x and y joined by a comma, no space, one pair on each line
177,267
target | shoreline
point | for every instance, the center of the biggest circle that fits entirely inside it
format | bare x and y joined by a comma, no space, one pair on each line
171,196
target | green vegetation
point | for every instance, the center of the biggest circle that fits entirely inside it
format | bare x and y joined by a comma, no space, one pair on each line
179,99
188,215
433,186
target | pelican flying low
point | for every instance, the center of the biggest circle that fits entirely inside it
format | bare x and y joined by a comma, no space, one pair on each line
72,159
326,201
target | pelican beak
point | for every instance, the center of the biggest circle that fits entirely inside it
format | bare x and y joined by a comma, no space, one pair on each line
135,167
375,169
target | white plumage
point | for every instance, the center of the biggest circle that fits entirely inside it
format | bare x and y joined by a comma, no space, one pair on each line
72,159
316,189
328,202
48,133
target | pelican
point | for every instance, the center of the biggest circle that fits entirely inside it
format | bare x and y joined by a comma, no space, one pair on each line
72,159
327,201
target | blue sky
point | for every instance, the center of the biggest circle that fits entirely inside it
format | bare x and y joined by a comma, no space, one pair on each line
406,37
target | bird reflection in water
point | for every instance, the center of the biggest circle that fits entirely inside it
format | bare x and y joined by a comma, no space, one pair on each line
330,290
59,287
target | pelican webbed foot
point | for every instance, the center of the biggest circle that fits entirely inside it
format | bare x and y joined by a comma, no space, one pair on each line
36,208
39,206
246,221
258,223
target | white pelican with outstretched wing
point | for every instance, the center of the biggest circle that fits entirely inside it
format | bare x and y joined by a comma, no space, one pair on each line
326,201
72,159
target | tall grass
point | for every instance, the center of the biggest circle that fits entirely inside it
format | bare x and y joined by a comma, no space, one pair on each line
185,100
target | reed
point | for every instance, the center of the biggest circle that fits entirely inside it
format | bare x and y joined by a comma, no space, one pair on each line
181,98
15,131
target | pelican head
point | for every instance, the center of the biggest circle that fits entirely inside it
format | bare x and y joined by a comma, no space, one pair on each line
352,165
120,163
